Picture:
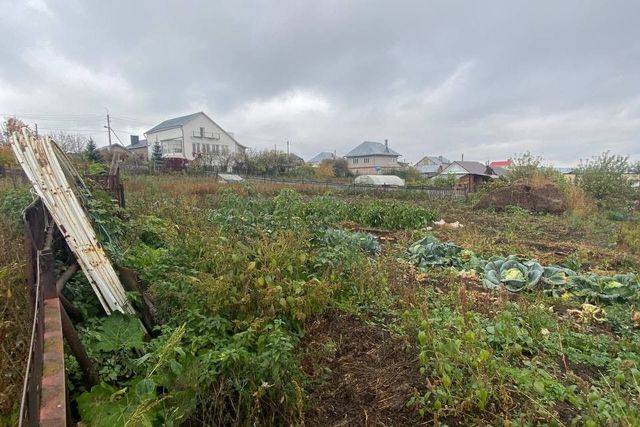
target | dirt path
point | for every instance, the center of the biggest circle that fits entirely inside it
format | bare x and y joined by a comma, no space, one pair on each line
361,375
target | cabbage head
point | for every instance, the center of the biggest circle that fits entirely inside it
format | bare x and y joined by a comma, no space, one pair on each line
593,288
513,274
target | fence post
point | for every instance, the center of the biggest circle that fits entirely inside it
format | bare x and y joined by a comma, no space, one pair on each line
53,401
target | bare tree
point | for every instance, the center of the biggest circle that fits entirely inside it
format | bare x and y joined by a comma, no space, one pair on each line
222,161
70,142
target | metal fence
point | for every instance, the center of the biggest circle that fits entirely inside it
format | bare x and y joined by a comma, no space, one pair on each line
45,396
452,193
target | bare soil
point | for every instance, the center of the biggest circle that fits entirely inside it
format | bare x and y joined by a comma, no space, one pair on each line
360,374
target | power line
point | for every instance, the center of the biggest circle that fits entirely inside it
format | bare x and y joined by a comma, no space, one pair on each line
45,116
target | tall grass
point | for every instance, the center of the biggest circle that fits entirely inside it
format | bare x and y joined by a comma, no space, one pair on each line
15,315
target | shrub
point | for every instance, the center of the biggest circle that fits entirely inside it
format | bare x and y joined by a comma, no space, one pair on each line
604,179
529,166
13,202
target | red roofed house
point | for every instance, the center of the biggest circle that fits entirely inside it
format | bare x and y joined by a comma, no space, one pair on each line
501,163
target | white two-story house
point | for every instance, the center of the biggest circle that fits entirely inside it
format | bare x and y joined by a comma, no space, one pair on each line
193,136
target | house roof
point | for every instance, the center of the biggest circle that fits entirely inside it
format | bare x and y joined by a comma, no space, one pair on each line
501,163
499,171
112,146
176,122
140,144
325,155
438,160
473,168
372,148
295,158
229,177
429,168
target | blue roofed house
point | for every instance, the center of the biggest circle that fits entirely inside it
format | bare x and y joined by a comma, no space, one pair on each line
372,158
430,166
318,158
192,136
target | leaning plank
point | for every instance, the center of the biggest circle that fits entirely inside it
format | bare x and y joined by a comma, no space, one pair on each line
42,162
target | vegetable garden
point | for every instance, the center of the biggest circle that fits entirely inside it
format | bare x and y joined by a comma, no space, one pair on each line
346,310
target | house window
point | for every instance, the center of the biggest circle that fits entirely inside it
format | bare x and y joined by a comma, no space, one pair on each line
201,132
365,160
355,161
225,149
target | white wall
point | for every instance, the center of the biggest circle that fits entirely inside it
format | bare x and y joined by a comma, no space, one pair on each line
215,140
172,137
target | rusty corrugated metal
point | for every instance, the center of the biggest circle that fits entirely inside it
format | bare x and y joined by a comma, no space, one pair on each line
42,161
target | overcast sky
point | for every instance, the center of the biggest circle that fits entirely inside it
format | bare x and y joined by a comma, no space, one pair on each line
488,79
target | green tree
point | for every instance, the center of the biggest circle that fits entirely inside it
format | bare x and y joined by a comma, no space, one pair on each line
604,179
341,166
410,174
91,153
156,156
443,181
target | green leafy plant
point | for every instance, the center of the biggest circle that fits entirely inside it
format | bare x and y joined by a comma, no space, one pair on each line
430,252
512,273
593,288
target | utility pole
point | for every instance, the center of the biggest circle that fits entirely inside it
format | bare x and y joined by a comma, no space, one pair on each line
287,148
275,150
36,130
109,129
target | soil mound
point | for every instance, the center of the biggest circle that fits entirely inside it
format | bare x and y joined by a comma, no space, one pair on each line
369,377
545,198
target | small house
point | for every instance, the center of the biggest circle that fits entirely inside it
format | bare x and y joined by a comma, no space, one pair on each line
432,161
468,174
138,148
109,151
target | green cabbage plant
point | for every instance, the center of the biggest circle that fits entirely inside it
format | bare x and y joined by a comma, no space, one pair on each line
593,288
430,252
512,273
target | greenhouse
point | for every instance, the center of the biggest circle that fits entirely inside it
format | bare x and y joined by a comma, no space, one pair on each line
379,180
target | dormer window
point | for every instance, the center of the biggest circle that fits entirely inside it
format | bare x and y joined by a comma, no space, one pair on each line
201,132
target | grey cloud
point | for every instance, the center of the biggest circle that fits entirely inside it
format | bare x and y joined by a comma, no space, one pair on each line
438,77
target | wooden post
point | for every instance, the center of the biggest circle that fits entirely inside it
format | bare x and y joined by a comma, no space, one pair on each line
89,374
130,282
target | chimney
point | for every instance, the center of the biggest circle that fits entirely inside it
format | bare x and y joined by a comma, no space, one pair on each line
134,139
386,145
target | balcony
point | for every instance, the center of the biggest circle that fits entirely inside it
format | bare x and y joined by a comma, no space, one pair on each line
206,135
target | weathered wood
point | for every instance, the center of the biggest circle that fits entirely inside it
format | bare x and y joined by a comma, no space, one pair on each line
130,281
71,310
66,276
89,375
